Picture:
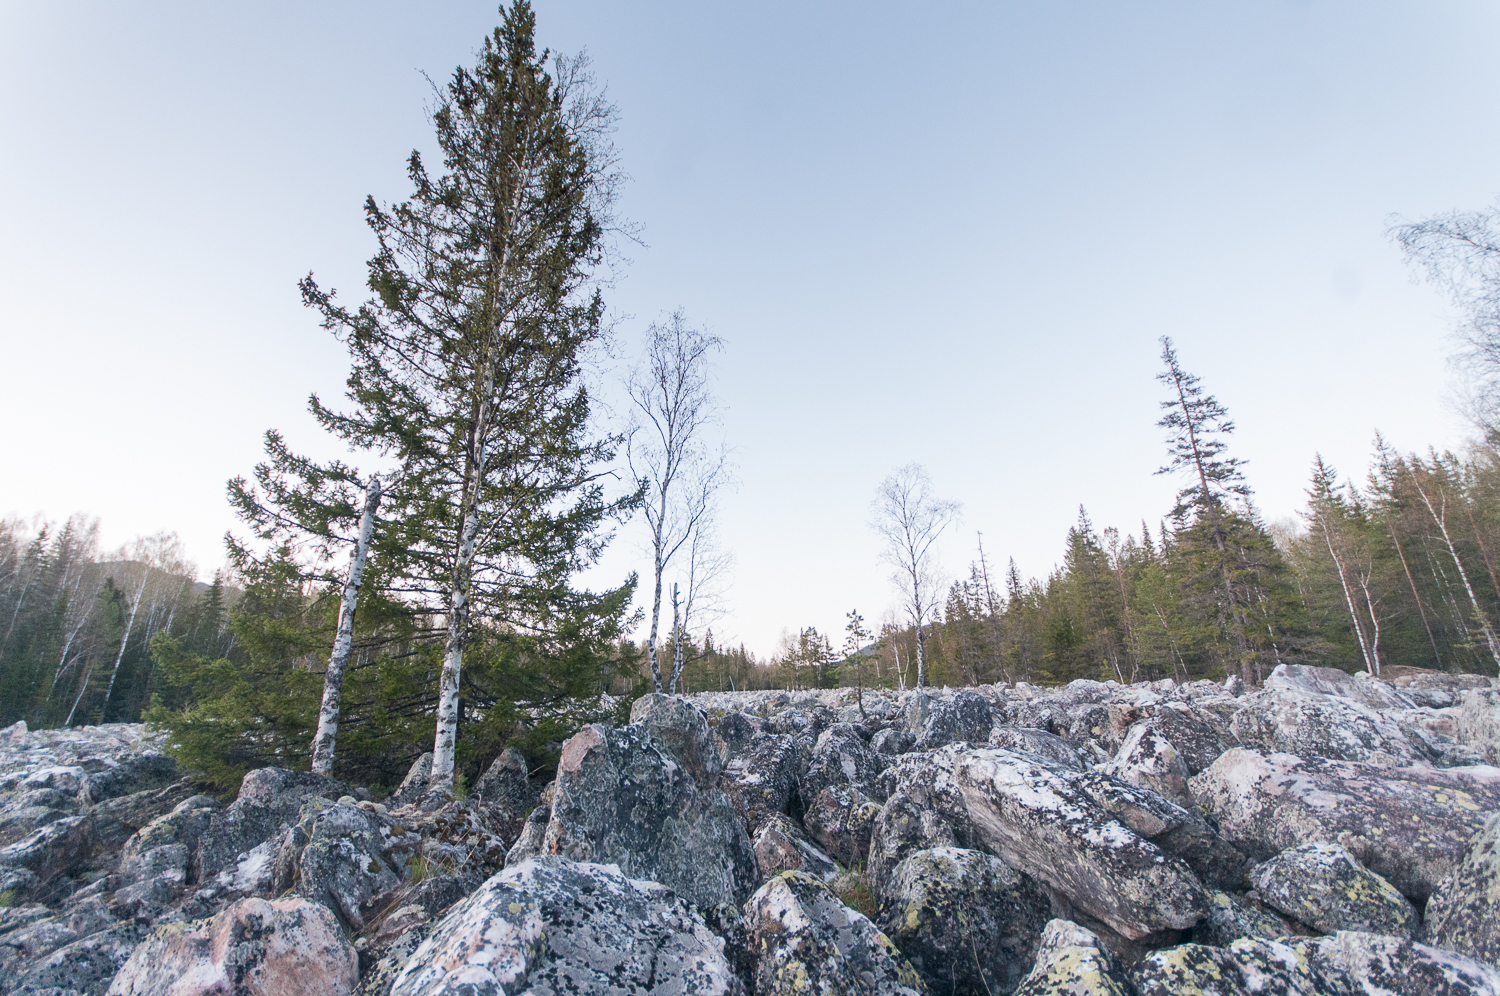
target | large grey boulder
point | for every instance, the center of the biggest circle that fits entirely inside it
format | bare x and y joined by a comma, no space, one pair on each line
86,966
1322,885
268,800
1197,741
1071,961
1410,825
136,773
968,922
1325,726
1378,965
762,778
840,757
1039,742
1247,967
61,847
1306,679
282,947
841,819
506,789
1231,917
550,925
802,939
1039,821
782,845
907,823
337,855
1462,914
1147,759
681,728
622,798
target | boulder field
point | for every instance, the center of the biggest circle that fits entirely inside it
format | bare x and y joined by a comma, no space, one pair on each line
1325,834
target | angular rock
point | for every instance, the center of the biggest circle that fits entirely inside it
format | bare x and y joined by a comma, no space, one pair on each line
1179,832
1038,822
118,818
841,757
339,857
803,940
906,825
966,718
1304,679
1461,915
413,785
1324,726
1038,742
841,819
681,728
85,966
1322,885
1195,739
1148,760
1231,918
734,731
284,947
1377,965
892,741
269,798
148,770
505,785
763,777
62,847
552,926
1409,825
968,922
1070,961
782,845
1250,966
622,798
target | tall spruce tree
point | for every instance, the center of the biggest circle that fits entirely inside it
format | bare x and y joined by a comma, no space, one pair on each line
1219,542
468,357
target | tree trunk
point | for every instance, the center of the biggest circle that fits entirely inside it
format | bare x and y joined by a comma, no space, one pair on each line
1442,524
1359,632
140,592
333,679
1437,657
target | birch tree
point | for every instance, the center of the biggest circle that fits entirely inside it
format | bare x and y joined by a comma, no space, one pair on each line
468,360
674,408
909,518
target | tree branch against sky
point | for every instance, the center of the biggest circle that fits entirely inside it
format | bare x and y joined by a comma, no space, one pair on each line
909,518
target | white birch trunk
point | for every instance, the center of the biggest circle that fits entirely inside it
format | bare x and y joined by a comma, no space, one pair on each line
338,660
1364,648
1364,585
1442,524
678,655
140,591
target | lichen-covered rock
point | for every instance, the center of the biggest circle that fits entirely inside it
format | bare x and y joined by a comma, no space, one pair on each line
681,728
1231,918
1247,967
119,817
1147,759
85,966
552,926
1179,832
623,799
506,789
137,773
1197,741
968,922
763,777
1463,915
1070,961
841,819
1039,822
1322,885
414,784
1376,965
1408,825
269,798
1324,726
892,741
1045,745
1305,679
802,939
284,947
841,757
336,855
60,848
966,718
906,824
782,845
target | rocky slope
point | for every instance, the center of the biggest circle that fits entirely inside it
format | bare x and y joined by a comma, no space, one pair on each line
1326,834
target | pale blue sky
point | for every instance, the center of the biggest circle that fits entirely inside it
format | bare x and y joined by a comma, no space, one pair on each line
947,233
